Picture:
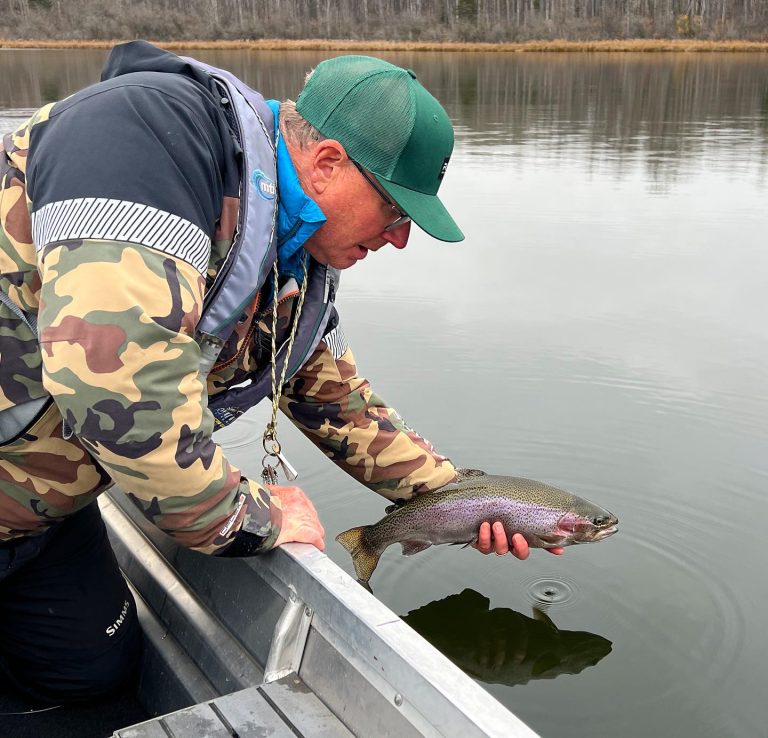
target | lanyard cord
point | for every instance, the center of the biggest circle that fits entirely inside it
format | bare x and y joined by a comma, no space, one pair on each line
269,472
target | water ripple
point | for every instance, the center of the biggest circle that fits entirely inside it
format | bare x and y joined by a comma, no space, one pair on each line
551,590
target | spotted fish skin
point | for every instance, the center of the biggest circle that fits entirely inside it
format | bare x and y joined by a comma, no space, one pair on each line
546,516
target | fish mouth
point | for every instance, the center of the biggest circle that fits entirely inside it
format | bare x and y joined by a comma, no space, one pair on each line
605,532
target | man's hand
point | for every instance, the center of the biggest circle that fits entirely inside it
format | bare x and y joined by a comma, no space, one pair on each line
494,540
300,521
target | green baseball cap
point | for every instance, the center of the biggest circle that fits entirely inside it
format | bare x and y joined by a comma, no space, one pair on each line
389,124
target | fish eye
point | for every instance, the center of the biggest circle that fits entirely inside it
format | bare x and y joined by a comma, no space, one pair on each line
599,520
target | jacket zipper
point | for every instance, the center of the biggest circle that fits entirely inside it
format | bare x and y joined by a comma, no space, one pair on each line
252,330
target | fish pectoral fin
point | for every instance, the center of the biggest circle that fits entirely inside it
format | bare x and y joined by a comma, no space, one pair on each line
413,547
552,540
466,544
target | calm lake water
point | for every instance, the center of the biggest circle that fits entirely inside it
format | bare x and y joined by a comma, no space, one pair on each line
602,328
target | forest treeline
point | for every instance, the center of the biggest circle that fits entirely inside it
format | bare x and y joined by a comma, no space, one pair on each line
407,20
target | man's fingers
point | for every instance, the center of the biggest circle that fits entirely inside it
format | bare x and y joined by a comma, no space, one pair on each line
302,532
294,497
500,542
520,546
310,534
493,539
300,521
483,544
308,527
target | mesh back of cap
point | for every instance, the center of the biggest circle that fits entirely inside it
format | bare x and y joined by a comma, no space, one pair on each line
378,127
372,118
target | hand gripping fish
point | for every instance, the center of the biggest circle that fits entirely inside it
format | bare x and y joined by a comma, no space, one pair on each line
546,516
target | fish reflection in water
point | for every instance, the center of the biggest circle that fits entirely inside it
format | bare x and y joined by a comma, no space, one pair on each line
502,646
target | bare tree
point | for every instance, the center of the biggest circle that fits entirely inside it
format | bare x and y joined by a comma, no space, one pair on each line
494,20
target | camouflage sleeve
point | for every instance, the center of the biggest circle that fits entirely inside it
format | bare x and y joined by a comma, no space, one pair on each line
341,414
126,184
117,327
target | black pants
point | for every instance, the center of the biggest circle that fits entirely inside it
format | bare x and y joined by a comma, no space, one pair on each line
68,625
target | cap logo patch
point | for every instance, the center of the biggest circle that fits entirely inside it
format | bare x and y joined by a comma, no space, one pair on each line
443,168
264,185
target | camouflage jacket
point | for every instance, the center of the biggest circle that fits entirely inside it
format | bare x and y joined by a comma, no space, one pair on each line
116,320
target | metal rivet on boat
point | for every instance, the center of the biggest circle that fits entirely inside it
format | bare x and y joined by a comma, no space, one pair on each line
293,596
308,612
398,700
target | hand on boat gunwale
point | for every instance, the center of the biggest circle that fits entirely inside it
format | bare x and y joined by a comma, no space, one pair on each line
300,521
494,540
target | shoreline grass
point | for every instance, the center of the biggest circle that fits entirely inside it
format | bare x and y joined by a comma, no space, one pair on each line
616,45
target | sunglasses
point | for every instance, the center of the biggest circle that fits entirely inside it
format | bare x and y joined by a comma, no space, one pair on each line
402,217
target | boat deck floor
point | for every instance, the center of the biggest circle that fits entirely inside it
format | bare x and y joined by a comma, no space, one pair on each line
281,709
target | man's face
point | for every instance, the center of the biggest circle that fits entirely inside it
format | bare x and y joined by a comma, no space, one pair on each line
357,218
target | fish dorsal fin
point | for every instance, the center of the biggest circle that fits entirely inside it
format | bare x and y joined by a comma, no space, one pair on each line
413,547
464,473
396,505
542,617
471,473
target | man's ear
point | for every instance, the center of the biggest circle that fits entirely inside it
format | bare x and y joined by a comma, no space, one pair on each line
326,164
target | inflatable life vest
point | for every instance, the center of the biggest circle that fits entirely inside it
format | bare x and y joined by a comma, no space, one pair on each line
254,249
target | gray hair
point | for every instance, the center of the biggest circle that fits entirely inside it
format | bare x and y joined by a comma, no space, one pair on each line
295,128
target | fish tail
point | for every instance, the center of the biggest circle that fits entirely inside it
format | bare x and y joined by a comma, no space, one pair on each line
364,559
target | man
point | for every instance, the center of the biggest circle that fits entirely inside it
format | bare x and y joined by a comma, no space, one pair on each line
155,253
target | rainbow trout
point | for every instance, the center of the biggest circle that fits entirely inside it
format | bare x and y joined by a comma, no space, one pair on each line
546,516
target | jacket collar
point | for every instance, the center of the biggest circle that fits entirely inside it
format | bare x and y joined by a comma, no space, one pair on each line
298,216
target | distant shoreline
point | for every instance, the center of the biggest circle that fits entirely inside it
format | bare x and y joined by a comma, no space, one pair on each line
630,45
